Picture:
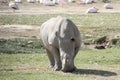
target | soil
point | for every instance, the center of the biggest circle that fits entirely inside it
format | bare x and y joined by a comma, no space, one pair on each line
19,31
68,8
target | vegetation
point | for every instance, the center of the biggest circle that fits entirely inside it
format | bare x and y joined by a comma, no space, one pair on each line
91,64
109,20
93,24
11,46
34,66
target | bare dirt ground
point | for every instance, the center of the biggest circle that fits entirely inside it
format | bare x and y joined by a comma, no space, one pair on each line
68,8
19,31
13,31
71,9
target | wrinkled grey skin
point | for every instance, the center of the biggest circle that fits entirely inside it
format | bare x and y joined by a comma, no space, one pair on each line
62,40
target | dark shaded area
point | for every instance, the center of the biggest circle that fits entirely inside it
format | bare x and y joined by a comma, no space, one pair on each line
101,40
95,72
20,45
5,70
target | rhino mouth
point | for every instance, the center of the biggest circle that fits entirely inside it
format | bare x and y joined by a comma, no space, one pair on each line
69,69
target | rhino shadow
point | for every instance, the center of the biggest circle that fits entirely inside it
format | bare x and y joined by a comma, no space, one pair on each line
95,72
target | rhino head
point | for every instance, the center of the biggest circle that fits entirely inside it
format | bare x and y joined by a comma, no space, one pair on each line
69,43
67,54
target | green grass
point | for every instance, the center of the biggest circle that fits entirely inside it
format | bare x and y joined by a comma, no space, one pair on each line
109,20
91,64
103,57
34,66
101,21
95,24
20,45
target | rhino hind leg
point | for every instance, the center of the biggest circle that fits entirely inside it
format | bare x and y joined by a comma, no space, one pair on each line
51,59
56,55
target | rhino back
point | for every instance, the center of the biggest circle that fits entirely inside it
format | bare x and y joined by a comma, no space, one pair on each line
59,27
48,31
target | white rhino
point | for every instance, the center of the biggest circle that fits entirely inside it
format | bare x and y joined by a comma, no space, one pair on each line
61,39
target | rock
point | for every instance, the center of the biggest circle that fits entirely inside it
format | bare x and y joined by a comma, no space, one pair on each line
108,6
31,1
18,1
117,36
92,10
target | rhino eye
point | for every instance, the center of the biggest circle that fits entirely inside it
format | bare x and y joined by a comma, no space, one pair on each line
72,39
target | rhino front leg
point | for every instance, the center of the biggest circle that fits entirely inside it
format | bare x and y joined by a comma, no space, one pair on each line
56,55
76,51
51,59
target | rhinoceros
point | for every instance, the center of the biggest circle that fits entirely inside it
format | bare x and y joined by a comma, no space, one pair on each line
61,39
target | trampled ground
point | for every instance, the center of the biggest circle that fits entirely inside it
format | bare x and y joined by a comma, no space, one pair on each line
68,8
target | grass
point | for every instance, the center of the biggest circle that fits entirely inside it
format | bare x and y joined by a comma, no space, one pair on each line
91,64
34,66
104,21
109,20
103,57
18,45
93,24
96,25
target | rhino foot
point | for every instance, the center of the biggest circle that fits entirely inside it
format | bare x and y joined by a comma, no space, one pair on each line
50,66
57,68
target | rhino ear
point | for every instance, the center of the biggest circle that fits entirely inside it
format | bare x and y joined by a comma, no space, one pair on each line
72,39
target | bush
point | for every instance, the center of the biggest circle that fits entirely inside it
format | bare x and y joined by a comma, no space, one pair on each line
100,40
118,43
114,41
